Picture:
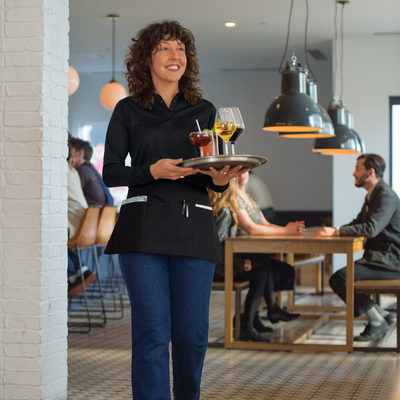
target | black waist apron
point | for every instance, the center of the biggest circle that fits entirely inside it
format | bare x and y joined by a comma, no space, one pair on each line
166,217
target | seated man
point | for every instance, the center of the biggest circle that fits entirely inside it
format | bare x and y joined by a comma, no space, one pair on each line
77,206
379,223
96,193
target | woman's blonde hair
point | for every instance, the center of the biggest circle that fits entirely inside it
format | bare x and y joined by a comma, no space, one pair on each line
228,199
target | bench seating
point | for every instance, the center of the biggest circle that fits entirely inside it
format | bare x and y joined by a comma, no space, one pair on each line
380,287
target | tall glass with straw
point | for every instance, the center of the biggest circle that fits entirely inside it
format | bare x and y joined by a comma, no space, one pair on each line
200,139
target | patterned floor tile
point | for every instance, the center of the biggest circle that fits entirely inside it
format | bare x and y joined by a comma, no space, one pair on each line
99,367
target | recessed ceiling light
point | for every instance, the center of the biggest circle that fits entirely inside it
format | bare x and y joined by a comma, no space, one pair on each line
230,24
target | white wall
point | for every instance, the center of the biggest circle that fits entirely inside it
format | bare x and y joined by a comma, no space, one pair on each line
33,197
371,76
297,178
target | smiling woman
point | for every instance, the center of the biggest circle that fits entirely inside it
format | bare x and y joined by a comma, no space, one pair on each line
165,233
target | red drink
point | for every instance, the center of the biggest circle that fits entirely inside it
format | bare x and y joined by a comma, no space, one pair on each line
235,136
200,139
212,148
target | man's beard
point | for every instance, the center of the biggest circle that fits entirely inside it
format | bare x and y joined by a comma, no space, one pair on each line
362,180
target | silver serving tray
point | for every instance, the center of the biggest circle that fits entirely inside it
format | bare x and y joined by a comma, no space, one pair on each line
218,162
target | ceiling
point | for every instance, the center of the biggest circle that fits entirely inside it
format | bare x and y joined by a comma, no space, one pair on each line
257,41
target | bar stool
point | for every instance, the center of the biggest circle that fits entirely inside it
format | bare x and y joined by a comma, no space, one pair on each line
84,239
112,283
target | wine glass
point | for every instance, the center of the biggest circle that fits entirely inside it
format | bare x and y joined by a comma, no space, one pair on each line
225,125
200,139
239,127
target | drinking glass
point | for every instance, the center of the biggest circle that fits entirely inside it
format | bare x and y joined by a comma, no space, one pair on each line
225,125
212,148
237,117
200,139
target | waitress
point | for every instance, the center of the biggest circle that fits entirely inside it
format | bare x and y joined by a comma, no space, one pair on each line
165,235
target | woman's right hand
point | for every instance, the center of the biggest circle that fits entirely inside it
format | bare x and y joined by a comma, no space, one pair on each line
166,169
295,228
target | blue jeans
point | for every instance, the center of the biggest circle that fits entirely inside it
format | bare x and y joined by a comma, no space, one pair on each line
170,300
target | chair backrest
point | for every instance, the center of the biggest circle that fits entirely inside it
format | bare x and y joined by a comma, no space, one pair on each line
86,234
106,225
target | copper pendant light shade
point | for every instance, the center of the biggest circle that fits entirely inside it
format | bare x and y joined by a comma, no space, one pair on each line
113,92
73,80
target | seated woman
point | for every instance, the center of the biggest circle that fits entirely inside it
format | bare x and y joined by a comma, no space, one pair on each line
265,274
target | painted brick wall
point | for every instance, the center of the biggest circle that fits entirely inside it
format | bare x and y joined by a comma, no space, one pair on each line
33,194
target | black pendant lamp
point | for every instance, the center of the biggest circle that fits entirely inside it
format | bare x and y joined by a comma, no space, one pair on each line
312,91
294,114
350,125
347,141
344,142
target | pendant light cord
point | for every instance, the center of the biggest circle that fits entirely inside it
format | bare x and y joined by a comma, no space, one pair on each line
342,53
287,37
113,49
305,44
335,53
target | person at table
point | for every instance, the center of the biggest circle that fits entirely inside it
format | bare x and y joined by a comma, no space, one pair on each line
266,275
96,193
379,222
165,234
258,190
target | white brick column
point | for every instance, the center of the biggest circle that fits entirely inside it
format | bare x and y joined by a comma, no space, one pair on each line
33,210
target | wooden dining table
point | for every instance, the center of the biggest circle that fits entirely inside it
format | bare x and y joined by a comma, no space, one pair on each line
291,245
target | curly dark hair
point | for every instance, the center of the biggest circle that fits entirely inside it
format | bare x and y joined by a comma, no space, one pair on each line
138,61
374,161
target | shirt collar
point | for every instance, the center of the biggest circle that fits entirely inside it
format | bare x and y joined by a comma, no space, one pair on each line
174,101
370,191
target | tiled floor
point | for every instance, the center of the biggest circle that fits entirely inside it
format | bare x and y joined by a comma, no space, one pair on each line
99,366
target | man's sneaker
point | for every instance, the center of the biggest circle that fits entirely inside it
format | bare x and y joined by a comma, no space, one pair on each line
372,332
77,287
390,319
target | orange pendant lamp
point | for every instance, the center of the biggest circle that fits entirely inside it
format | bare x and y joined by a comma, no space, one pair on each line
73,80
113,92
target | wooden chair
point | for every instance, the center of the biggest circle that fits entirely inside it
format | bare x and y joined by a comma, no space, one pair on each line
84,239
380,287
237,287
301,260
112,282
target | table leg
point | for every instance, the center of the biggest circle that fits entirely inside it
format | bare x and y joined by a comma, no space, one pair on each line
350,298
228,293
318,273
290,261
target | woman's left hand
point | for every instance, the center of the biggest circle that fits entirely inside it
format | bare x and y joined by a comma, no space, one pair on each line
224,175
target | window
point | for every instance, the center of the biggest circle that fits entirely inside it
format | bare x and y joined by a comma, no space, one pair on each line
95,134
395,144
